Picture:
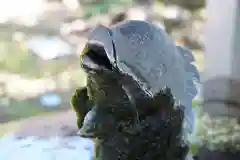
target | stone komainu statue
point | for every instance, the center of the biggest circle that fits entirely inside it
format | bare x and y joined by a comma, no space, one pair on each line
137,104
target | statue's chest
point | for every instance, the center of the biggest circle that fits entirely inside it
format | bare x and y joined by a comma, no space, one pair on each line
145,146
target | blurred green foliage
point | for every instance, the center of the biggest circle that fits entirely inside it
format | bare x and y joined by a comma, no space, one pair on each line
103,6
16,58
195,103
191,5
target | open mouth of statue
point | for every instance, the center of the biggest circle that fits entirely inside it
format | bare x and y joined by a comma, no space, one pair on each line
88,131
94,58
96,124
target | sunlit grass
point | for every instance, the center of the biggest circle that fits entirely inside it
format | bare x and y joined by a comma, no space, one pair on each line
15,125
9,127
24,109
18,114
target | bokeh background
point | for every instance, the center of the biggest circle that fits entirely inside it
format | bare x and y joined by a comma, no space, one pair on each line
40,42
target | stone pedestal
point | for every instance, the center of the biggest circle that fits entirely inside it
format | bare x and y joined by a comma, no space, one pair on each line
222,76
222,56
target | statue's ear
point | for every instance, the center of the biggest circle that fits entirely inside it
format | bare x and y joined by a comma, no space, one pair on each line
80,104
